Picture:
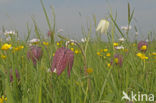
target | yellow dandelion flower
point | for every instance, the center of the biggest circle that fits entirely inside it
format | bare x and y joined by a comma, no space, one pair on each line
45,43
115,44
105,50
98,53
57,43
144,47
6,46
3,56
72,49
154,53
109,65
53,54
89,70
72,44
139,54
108,54
21,47
142,56
76,51
116,60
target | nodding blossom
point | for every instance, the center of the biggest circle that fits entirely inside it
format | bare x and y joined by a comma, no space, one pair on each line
62,59
35,54
142,46
117,59
103,26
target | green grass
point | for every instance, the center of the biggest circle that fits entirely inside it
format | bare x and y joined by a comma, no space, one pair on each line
104,85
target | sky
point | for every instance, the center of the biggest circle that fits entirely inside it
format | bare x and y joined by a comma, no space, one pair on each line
72,14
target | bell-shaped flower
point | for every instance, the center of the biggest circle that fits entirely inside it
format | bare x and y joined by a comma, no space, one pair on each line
35,54
103,26
63,58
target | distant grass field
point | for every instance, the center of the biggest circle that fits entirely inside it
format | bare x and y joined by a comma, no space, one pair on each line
103,81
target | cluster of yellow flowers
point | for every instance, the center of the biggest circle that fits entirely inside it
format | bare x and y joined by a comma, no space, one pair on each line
2,99
142,56
45,43
17,48
6,46
103,51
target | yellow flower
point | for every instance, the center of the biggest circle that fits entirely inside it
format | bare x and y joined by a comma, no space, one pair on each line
21,47
89,70
3,56
115,44
108,64
116,60
154,53
57,43
72,49
76,51
6,46
45,43
105,50
142,56
53,54
98,53
144,47
139,54
108,54
2,99
72,43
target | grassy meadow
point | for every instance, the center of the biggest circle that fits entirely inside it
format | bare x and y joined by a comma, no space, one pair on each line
96,76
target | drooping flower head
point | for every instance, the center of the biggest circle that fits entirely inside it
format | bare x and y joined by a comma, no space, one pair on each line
63,58
35,54
103,26
118,60
142,46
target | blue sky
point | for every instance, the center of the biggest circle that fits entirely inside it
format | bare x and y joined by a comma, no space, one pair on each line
15,14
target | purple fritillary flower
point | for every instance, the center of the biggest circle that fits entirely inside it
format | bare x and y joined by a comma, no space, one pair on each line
118,60
142,43
63,58
35,54
11,75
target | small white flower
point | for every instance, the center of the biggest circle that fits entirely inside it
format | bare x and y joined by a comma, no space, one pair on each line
126,28
119,47
35,40
122,39
103,26
83,40
6,33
